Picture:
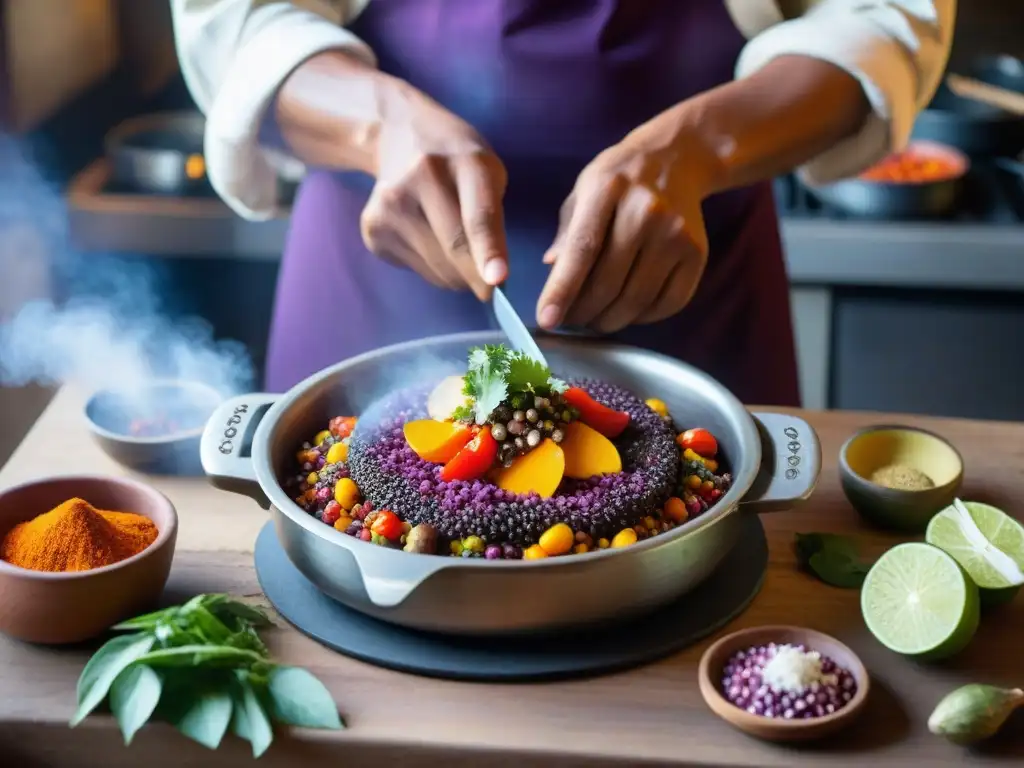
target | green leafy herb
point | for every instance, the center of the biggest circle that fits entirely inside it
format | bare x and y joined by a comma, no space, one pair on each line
300,699
495,375
833,558
133,698
485,380
203,668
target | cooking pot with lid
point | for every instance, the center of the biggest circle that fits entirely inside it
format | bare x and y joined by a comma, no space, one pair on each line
250,442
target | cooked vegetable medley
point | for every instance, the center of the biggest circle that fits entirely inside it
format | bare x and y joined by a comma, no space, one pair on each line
508,462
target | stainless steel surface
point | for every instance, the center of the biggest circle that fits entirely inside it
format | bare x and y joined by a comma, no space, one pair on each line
514,328
775,462
173,454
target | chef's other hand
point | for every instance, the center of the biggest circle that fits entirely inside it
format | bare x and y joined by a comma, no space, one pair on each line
436,206
631,246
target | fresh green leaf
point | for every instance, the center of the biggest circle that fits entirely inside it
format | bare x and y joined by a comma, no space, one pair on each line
104,667
206,716
557,385
833,558
485,380
133,697
807,544
206,625
248,639
837,570
527,375
298,698
198,655
250,719
464,413
227,608
149,621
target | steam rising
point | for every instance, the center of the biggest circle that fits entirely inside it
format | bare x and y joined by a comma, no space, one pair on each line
109,331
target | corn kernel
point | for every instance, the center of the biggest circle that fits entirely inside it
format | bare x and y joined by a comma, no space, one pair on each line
624,538
658,406
536,552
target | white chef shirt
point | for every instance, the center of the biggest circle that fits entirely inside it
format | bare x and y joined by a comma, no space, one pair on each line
235,54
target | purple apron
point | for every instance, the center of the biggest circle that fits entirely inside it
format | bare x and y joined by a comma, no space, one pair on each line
549,85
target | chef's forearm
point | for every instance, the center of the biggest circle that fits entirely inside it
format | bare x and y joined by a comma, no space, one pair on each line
773,121
330,110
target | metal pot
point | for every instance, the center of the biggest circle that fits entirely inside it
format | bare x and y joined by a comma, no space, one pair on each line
775,459
979,129
870,199
160,154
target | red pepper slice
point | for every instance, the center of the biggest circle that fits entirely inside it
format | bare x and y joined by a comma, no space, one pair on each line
474,460
387,524
595,415
700,441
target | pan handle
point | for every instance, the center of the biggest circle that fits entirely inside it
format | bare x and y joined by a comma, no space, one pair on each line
225,448
790,463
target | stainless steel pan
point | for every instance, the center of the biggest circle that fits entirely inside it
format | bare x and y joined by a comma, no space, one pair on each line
251,441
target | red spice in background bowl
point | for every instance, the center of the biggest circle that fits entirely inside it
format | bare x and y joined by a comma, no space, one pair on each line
156,427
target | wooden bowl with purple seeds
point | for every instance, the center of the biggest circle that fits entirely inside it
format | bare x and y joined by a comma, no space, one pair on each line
783,683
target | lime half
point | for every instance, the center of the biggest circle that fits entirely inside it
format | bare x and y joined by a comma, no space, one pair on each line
987,542
918,601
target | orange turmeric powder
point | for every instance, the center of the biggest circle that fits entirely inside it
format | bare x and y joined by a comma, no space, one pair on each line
75,536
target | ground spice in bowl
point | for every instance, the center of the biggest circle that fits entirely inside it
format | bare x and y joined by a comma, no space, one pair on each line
901,478
75,536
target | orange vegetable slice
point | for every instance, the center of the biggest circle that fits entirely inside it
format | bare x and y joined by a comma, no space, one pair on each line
539,471
436,441
588,452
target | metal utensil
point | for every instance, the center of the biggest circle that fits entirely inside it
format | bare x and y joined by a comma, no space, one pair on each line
513,327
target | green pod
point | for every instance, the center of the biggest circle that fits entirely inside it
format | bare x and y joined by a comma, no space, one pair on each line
974,712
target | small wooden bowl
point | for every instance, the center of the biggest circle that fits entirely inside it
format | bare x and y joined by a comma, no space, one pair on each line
875,447
713,661
57,608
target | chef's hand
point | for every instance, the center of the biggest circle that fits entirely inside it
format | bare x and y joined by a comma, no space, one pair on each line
436,206
631,245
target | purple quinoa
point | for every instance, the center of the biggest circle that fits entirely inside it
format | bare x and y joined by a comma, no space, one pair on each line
390,475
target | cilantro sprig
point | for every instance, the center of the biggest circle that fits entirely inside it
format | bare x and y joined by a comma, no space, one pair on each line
496,374
203,668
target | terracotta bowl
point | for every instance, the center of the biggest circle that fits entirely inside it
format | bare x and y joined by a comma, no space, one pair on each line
776,729
56,608
875,447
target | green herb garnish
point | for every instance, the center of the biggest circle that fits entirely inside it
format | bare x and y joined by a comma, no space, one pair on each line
203,668
495,375
833,558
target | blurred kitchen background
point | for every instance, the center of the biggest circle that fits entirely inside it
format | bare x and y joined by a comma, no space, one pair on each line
922,314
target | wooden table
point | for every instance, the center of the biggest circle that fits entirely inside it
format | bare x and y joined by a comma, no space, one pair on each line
651,715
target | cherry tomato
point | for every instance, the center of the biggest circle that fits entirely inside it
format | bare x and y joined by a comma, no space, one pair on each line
700,441
342,426
388,525
474,460
595,415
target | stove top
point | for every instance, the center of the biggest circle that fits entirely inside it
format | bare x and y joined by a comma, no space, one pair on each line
994,194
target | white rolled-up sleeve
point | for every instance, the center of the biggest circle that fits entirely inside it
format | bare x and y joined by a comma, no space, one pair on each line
234,56
897,50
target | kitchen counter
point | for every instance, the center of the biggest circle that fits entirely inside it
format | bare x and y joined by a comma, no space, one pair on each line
651,715
818,251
